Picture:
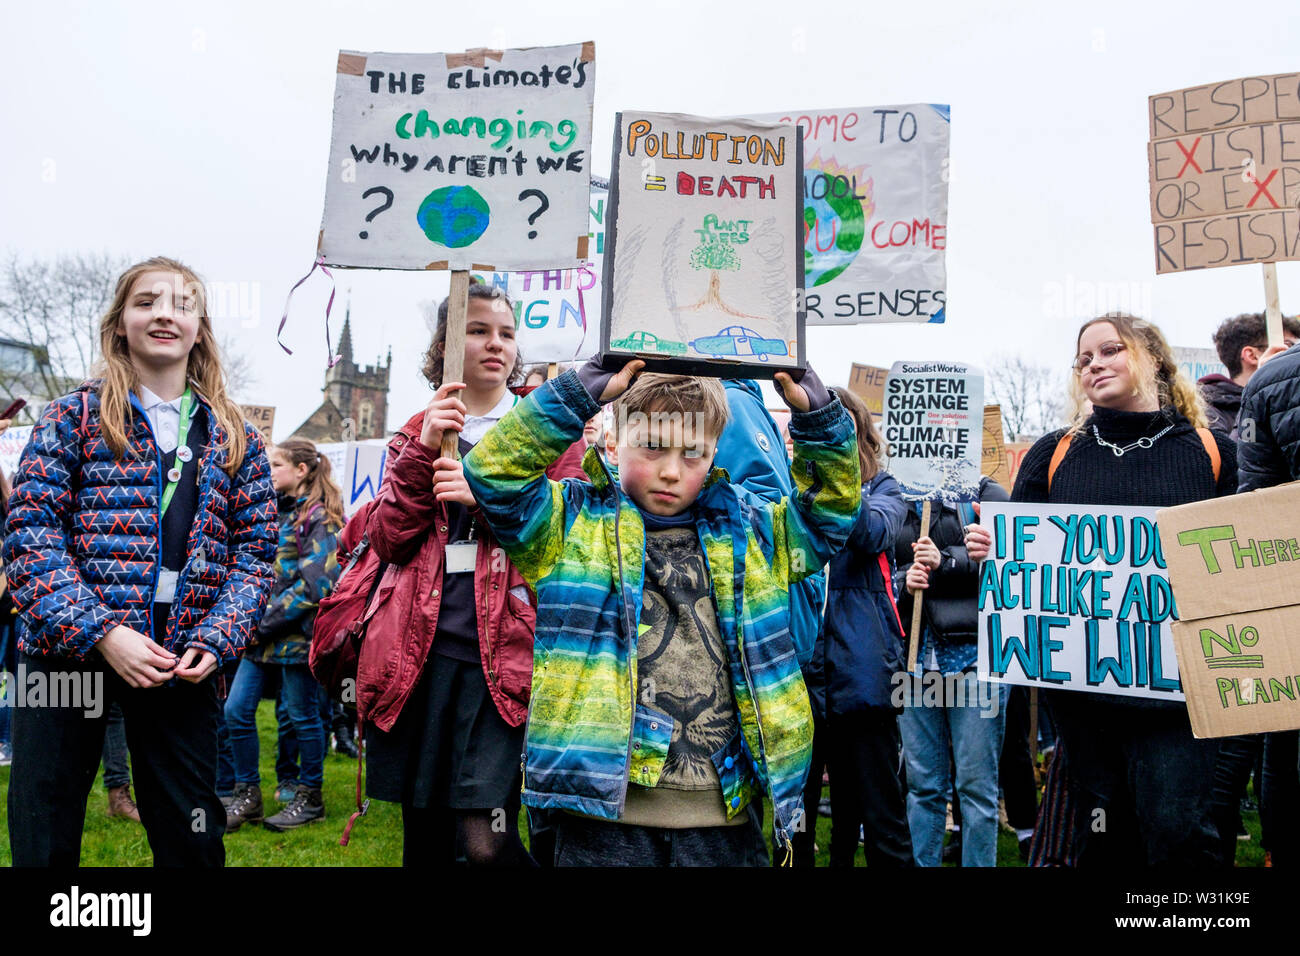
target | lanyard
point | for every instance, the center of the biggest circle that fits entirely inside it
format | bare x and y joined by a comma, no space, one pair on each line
182,436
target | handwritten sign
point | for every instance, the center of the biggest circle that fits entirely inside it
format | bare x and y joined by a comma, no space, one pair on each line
1224,160
363,473
993,461
703,260
557,311
1232,565
1078,598
12,443
875,212
261,417
1198,363
934,424
477,160
868,383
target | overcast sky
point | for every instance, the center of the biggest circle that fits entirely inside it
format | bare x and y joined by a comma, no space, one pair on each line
201,131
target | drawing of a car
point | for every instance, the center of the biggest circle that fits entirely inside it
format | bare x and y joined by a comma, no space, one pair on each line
738,340
642,341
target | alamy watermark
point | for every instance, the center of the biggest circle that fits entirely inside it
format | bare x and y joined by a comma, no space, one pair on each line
945,690
76,689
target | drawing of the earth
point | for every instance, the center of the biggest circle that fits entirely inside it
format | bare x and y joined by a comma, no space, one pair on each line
453,216
835,225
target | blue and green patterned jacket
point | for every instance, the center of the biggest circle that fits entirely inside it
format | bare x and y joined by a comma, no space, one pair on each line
306,570
582,547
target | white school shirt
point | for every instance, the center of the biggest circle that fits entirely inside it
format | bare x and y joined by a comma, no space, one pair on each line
476,426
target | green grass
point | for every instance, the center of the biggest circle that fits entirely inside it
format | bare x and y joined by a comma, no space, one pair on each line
377,837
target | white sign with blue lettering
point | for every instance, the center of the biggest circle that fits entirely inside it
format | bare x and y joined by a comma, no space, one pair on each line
1077,597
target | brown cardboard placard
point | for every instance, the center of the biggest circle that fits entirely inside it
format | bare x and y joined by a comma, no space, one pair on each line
868,383
1233,564
993,462
1250,99
1224,169
1241,169
261,417
1231,240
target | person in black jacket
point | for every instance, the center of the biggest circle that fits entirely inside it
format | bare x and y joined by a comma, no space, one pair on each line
950,715
1268,446
1242,343
850,677
1140,785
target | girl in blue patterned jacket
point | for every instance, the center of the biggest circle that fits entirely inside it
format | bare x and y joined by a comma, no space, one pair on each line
138,545
306,569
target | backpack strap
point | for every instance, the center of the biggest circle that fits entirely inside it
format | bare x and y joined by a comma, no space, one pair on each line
1211,449
1062,447
887,573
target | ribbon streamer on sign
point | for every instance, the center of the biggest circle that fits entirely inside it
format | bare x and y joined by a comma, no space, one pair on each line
331,359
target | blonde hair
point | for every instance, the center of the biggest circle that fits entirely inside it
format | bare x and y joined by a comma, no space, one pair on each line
704,400
318,487
1151,366
869,443
119,378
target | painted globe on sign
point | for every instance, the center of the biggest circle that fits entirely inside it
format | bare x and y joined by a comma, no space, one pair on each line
453,216
834,228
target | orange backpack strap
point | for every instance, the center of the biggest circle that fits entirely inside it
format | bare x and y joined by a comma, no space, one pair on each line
1211,449
1062,447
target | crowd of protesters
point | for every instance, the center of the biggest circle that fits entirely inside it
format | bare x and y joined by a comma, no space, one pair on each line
624,600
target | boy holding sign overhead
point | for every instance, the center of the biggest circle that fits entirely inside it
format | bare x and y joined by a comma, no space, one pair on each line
666,692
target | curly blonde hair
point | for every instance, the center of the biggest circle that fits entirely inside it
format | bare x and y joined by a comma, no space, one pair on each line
1151,366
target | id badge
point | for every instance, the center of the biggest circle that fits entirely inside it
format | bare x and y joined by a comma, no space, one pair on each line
461,557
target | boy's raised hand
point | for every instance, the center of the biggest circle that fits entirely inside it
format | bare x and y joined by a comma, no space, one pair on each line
806,395
606,381
444,411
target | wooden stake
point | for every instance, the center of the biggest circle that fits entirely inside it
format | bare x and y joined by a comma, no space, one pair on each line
453,353
914,645
552,370
1272,305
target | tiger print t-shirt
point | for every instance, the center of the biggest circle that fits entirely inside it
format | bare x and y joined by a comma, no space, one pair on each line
682,670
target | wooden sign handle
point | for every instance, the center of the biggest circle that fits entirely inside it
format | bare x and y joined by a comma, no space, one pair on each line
1272,305
914,645
453,352
552,370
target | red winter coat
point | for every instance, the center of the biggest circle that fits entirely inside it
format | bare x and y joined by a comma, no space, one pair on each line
408,528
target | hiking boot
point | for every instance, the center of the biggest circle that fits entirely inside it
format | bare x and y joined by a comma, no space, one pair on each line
120,803
307,806
345,742
246,807
226,800
285,789
6,755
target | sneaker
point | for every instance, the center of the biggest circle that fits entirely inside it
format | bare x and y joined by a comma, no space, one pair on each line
285,789
824,807
6,755
120,803
307,806
245,808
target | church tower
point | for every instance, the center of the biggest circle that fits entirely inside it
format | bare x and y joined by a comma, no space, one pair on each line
352,392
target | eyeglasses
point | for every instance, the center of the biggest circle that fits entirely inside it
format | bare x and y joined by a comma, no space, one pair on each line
1107,351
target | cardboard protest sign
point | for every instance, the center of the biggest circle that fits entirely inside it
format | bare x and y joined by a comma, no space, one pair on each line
704,245
1224,161
993,462
476,160
261,417
1233,566
1198,363
933,426
1077,597
557,311
363,473
868,383
875,212
1016,451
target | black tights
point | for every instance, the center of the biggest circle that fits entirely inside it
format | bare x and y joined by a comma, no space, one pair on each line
438,836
